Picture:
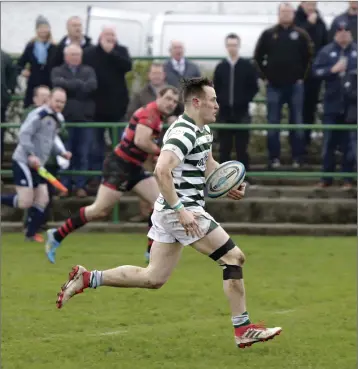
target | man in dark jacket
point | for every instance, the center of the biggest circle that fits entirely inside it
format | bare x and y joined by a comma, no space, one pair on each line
74,36
283,54
332,64
111,62
349,17
308,18
178,67
80,83
236,84
8,84
350,90
149,93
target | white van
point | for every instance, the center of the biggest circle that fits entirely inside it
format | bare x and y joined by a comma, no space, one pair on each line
202,34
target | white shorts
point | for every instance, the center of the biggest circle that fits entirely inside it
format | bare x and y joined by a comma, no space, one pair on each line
167,229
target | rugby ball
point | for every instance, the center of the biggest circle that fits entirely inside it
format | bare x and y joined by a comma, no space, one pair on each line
227,176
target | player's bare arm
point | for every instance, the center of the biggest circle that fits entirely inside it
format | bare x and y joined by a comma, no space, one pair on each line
211,165
143,139
167,161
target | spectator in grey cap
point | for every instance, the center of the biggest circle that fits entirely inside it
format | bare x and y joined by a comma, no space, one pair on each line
33,62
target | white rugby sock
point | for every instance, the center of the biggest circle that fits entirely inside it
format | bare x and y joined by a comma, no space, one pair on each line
96,279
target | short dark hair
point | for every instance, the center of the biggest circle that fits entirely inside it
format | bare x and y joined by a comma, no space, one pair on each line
166,88
194,86
232,36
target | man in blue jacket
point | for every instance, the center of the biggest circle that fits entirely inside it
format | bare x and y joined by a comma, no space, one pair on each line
332,64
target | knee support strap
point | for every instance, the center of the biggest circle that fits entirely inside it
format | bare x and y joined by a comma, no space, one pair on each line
232,272
221,251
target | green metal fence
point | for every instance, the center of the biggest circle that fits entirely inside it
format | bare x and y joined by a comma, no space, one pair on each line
217,126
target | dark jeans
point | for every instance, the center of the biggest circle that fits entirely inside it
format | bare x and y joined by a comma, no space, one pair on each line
276,98
332,140
241,138
3,113
312,89
79,142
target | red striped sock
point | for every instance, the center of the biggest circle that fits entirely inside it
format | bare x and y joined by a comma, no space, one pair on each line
70,225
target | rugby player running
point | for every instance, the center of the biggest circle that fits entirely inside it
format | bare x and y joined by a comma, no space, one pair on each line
123,168
179,218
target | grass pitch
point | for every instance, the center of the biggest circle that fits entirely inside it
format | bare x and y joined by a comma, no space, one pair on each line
305,285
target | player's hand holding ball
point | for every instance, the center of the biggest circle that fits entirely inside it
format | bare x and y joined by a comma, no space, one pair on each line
237,194
34,161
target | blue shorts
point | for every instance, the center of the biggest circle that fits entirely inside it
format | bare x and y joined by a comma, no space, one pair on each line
25,176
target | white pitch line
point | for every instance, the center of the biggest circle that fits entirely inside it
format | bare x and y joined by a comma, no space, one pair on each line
114,333
282,312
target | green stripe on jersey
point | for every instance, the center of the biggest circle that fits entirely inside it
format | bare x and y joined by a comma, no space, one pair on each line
189,186
189,175
193,173
176,142
199,149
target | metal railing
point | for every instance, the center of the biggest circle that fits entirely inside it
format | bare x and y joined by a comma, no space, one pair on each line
216,126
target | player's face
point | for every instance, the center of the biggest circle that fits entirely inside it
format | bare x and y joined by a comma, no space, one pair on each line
42,96
168,102
208,107
58,101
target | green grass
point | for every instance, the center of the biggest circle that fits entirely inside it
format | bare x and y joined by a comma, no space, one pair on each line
305,285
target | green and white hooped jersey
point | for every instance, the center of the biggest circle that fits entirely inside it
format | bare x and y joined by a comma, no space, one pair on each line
192,146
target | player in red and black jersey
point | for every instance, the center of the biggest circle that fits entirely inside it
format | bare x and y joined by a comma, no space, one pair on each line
123,168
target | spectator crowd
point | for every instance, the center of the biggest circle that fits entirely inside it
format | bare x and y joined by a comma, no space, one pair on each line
295,59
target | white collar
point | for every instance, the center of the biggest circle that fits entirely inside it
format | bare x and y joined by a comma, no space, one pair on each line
68,41
180,62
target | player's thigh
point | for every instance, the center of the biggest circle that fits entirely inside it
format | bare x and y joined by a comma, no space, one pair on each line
41,195
147,189
25,197
106,198
220,247
163,259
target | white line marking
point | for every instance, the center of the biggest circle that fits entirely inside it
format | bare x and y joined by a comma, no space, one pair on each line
115,333
282,312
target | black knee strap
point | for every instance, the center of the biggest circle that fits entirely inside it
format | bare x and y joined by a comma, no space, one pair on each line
232,272
224,249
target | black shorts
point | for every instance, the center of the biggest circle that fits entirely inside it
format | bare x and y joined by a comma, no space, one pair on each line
121,175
